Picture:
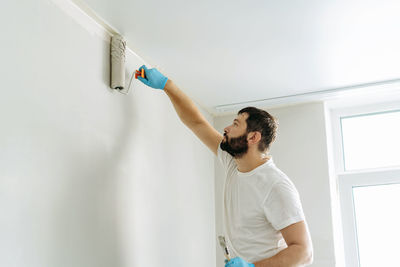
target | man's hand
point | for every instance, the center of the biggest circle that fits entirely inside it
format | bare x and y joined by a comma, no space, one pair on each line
238,262
154,78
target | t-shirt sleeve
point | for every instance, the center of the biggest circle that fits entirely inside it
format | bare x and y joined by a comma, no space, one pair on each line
225,158
282,207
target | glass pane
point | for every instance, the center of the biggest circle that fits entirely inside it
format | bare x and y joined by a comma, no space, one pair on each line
371,141
377,220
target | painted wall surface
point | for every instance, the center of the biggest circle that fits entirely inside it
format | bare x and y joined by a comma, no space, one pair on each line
300,151
88,176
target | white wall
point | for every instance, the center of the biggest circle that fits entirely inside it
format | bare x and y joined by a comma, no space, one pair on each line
88,176
300,151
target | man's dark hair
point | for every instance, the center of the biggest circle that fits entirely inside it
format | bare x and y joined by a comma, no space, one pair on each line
261,121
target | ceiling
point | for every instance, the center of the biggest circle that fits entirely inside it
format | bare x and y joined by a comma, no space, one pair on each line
224,52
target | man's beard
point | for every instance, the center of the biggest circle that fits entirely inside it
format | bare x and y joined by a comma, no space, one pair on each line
236,147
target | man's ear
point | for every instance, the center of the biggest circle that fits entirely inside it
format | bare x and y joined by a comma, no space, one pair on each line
254,137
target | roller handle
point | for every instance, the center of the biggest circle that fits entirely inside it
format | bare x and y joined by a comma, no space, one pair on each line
139,73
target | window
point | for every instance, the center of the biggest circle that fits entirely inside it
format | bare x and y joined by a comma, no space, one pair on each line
371,140
366,146
377,222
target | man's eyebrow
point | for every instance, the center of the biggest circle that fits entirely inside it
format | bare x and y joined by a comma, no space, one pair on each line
236,120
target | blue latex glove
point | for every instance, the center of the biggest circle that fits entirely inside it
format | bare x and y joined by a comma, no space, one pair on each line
238,262
154,78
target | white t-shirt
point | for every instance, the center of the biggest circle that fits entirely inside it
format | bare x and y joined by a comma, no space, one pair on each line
256,205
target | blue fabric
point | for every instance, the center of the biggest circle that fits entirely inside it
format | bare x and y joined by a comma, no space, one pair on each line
238,262
154,78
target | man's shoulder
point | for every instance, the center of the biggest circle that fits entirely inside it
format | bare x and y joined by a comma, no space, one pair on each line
273,179
273,173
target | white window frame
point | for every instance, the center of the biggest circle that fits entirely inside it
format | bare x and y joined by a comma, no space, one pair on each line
346,180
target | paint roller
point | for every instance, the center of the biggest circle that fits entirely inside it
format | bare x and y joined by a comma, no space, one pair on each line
118,58
118,46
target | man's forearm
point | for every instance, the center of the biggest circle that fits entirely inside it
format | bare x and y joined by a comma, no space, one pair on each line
292,256
184,106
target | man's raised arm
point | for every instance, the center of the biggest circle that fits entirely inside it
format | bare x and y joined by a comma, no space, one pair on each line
186,109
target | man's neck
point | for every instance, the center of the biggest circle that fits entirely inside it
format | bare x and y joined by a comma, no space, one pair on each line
250,161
